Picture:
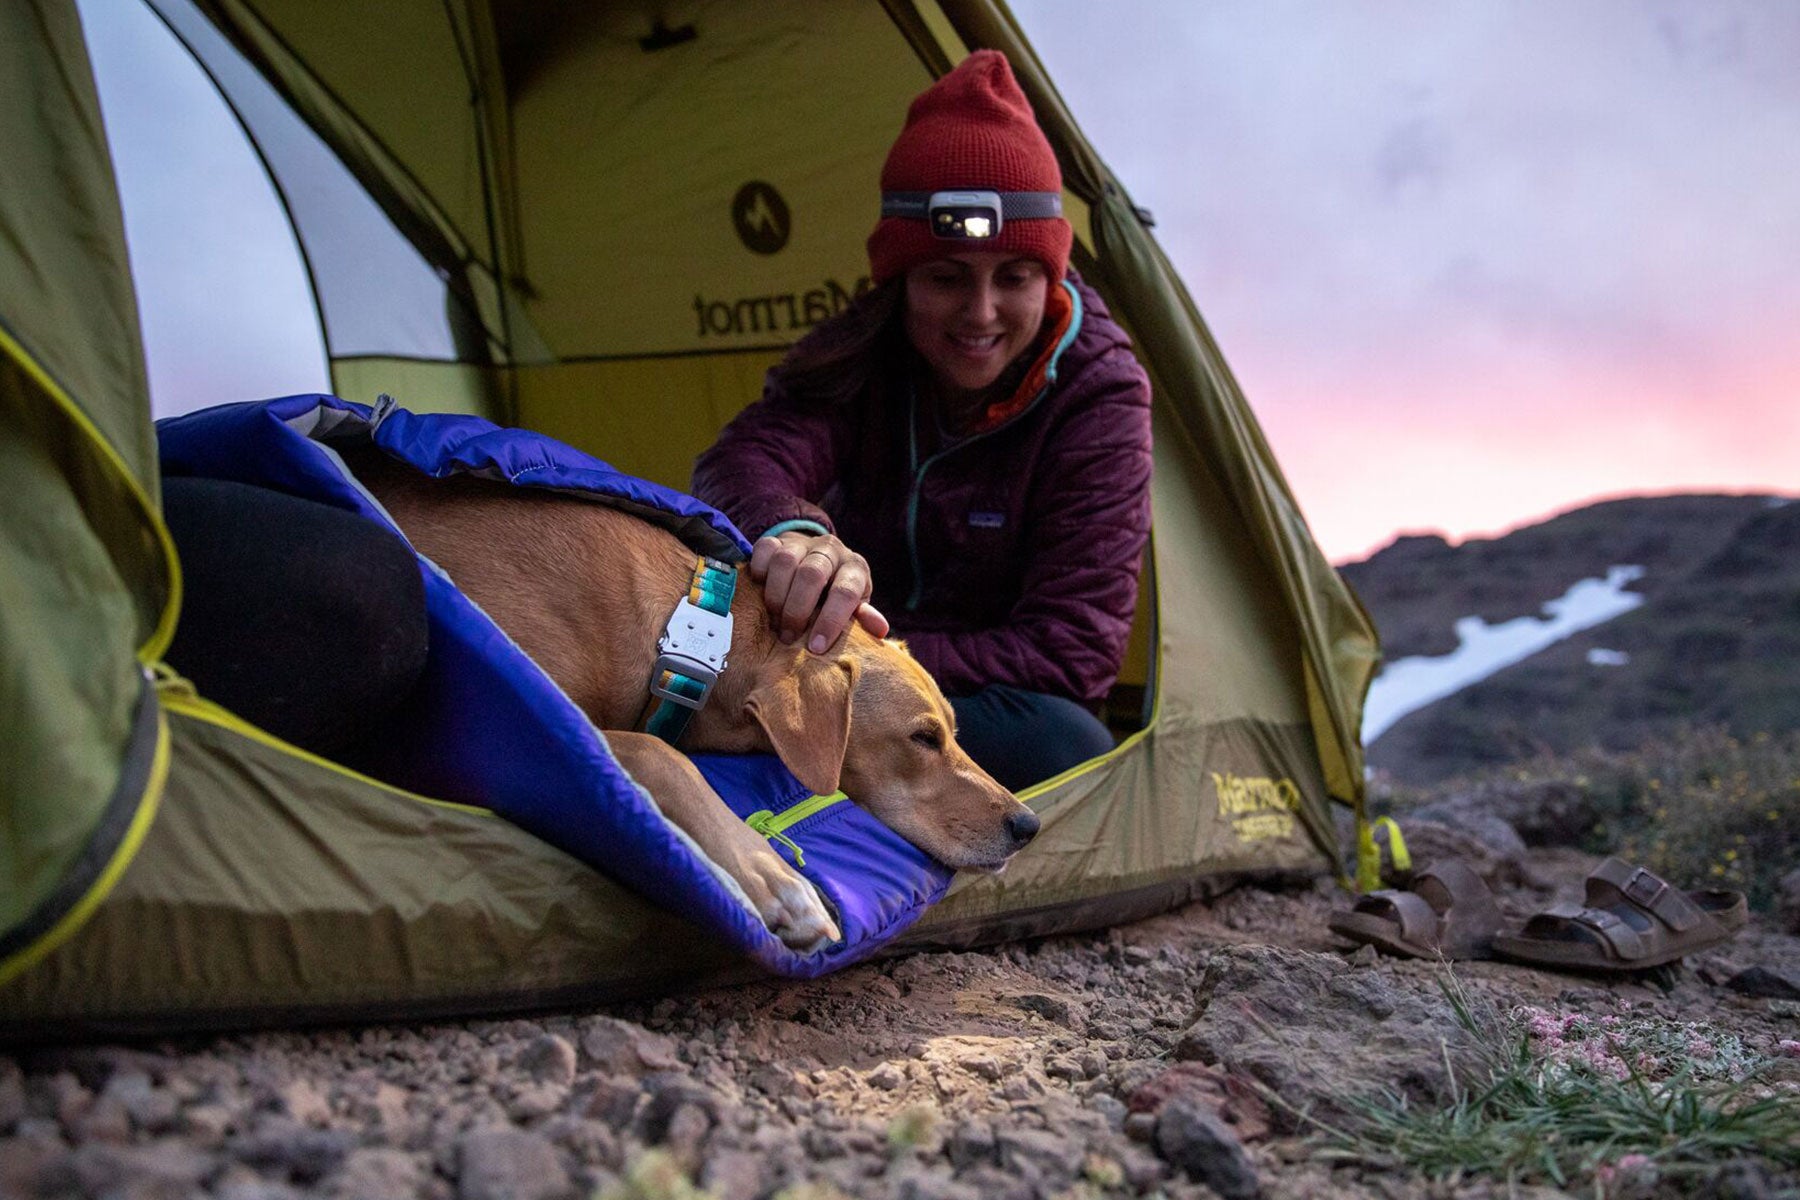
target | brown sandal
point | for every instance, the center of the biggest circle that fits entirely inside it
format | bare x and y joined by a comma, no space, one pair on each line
1632,920
1447,911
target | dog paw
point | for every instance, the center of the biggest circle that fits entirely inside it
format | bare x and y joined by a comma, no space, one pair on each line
793,910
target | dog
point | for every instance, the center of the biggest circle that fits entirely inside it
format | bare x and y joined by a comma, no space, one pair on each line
585,588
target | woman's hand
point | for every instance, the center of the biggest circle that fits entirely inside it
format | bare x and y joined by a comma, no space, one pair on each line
814,585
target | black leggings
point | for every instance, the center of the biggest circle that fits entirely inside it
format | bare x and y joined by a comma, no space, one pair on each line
1022,738
304,619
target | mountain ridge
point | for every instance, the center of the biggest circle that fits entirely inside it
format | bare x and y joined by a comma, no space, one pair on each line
1716,641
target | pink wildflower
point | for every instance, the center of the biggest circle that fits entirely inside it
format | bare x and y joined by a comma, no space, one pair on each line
1788,1048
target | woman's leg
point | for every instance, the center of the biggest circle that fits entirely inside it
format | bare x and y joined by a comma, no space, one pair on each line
1022,738
303,619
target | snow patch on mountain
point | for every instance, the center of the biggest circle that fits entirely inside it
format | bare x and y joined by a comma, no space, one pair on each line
1410,684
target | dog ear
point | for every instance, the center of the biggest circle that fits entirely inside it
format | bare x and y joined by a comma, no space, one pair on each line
806,714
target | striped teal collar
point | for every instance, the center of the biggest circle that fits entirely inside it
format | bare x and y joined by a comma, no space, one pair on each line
691,651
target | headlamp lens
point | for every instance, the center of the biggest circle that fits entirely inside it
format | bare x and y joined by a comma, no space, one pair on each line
964,216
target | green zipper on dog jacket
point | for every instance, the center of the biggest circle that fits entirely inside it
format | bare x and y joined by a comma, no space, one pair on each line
774,826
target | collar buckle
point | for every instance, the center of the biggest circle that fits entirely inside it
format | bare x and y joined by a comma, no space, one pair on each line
691,652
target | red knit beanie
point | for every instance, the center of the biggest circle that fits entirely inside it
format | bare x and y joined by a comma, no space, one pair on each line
972,129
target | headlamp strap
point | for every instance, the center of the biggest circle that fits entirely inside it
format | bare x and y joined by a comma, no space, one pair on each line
1014,206
691,651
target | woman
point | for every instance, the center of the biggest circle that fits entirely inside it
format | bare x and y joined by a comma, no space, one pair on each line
967,448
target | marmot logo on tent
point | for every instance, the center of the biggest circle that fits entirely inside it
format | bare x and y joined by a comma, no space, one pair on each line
788,312
1257,807
761,217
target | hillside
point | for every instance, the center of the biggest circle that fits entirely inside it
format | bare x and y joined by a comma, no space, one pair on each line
1716,640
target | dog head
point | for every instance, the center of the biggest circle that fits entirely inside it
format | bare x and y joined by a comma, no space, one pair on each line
867,718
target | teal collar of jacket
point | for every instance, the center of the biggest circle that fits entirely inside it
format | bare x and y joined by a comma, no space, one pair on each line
691,651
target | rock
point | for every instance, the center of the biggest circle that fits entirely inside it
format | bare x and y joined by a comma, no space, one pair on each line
35,1165
1741,1179
305,1101
533,1100
548,1059
164,1168
1051,1008
1787,901
668,1094
687,1129
887,1077
733,1175
255,1187
1312,1029
150,1108
914,1181
590,1142
377,1173
612,1101
621,1048
1139,1127
68,1100
1108,1106
509,1164
971,1142
993,1183
1192,1139
104,1121
1040,1154
384,1106
1227,1097
1764,983
206,1124
1143,1170
280,1144
982,1066
1491,847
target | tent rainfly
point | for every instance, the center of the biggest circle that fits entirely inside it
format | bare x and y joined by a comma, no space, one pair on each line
604,223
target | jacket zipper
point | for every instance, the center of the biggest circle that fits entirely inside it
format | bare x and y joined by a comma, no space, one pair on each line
918,469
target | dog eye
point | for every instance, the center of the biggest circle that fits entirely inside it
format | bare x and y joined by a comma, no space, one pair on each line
931,739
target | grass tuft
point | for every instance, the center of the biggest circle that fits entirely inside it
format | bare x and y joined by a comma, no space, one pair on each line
1573,1100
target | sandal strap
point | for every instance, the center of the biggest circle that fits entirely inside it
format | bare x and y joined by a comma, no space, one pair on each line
1624,941
1418,921
1615,881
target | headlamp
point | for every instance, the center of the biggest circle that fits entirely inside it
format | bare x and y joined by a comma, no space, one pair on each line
971,216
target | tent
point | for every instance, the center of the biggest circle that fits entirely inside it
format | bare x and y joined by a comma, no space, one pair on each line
602,222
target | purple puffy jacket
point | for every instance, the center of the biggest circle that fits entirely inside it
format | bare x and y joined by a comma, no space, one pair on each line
1009,555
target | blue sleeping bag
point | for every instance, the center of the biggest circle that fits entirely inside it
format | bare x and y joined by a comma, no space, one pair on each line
490,728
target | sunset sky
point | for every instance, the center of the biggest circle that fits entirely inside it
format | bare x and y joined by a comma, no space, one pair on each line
1473,263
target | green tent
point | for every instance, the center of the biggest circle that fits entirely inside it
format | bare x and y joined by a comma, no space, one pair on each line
603,222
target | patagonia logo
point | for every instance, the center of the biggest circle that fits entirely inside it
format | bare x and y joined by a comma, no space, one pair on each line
987,520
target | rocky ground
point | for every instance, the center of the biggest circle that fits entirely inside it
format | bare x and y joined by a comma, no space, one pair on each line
1135,1061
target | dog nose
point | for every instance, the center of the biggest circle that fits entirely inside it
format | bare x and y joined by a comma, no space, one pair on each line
1022,826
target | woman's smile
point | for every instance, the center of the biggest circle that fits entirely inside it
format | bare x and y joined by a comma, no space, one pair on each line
970,315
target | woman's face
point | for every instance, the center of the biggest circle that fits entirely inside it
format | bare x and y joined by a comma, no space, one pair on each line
970,314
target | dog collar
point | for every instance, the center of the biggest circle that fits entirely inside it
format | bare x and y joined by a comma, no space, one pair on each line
690,654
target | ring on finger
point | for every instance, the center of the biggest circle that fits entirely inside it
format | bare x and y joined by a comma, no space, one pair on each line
822,554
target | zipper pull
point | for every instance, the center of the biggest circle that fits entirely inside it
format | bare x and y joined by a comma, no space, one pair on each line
763,822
